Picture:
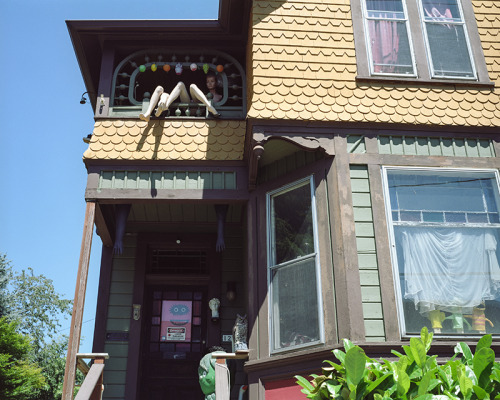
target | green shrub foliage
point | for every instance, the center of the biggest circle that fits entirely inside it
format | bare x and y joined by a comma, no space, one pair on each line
414,376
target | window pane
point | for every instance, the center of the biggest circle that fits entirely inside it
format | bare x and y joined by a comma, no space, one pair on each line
441,10
295,304
292,223
390,48
393,6
448,261
449,50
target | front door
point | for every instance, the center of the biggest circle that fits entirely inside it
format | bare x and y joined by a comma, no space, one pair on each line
174,340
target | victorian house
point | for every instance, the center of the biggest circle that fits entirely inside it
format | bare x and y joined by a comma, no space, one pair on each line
328,168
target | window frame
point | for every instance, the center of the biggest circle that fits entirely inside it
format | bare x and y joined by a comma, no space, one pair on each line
392,240
271,266
417,39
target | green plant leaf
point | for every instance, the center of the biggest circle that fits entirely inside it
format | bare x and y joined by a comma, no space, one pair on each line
426,338
409,354
425,397
396,353
465,386
348,345
339,354
376,383
355,362
445,374
333,388
403,382
304,383
484,342
423,387
483,362
463,348
480,392
418,351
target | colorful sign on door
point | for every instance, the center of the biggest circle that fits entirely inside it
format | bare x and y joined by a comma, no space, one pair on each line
176,320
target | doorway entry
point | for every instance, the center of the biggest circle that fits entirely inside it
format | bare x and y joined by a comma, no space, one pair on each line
174,342
175,335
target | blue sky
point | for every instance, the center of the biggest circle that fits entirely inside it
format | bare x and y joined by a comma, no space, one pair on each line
42,176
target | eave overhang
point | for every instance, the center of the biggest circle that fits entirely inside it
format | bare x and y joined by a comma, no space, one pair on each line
88,36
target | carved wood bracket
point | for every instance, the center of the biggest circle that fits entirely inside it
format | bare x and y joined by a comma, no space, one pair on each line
306,140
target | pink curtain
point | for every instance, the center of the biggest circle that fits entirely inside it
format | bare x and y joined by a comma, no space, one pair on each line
384,44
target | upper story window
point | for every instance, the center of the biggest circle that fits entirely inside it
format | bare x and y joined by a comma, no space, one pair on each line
445,233
418,39
295,305
178,83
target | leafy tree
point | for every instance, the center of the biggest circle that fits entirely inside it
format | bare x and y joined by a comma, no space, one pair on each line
33,303
4,279
20,378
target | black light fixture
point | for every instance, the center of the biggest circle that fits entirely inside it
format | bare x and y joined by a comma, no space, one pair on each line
83,100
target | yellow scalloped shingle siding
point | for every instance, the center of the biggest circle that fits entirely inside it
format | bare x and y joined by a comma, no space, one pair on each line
167,140
304,68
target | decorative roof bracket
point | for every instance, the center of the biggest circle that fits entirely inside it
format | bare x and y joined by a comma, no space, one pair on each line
305,139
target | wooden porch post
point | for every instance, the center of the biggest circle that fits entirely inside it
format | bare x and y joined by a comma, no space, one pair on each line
79,301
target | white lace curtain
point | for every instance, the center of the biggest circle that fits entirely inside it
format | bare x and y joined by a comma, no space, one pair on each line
448,269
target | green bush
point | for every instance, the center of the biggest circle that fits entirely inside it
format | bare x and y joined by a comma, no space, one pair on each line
415,376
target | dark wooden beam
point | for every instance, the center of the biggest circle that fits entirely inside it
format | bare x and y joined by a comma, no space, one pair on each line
103,230
79,302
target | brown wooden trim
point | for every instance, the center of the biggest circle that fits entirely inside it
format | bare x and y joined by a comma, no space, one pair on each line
213,195
134,344
95,166
382,245
306,360
90,384
304,137
262,279
425,161
105,80
425,83
103,299
346,271
371,144
79,302
102,228
253,251
174,280
277,366
325,253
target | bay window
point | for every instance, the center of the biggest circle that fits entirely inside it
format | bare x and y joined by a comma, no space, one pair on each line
293,273
445,233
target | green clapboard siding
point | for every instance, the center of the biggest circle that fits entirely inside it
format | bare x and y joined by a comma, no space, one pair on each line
173,180
286,165
118,316
366,247
356,144
424,146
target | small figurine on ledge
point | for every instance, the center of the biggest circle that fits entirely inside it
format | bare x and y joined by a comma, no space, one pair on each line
240,330
164,99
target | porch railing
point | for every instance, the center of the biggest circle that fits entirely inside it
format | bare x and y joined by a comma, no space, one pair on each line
92,387
222,379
